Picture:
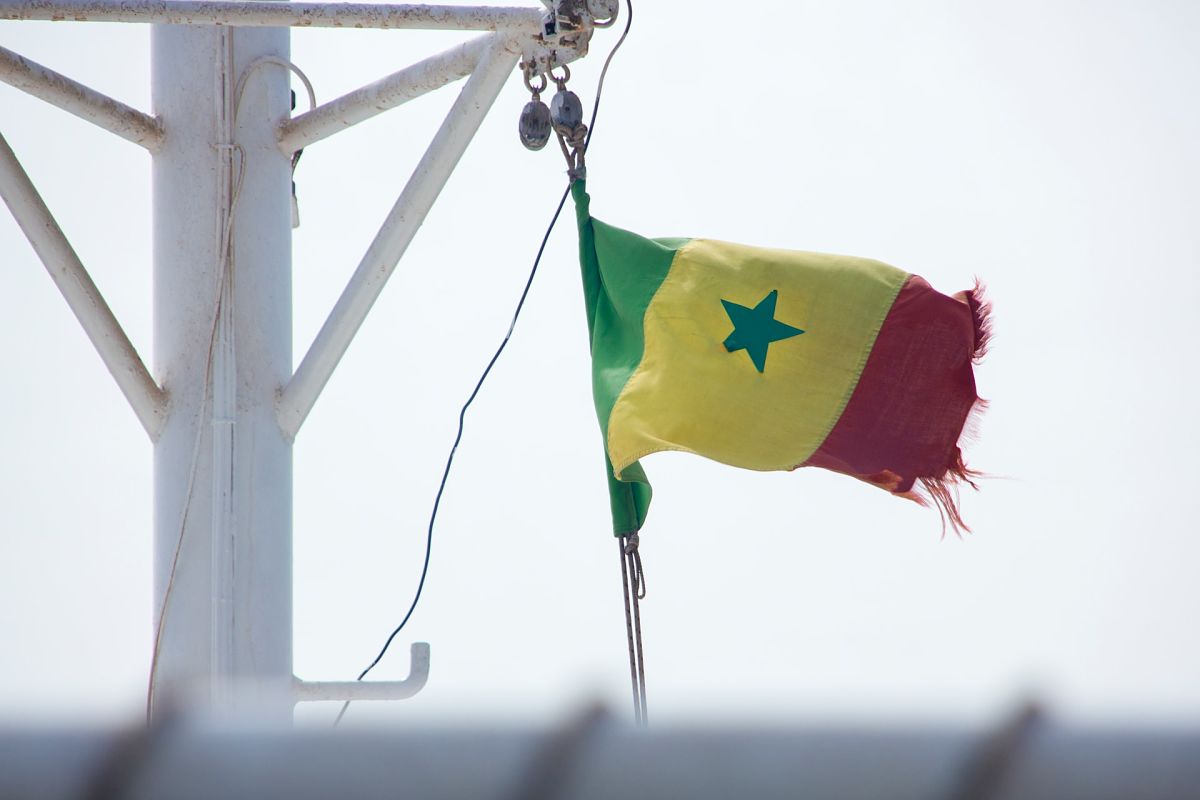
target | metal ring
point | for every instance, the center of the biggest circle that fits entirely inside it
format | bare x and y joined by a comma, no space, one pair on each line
566,75
529,85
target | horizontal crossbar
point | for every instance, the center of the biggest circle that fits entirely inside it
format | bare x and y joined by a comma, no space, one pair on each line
270,13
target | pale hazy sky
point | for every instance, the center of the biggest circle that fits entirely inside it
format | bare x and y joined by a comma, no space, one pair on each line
1048,147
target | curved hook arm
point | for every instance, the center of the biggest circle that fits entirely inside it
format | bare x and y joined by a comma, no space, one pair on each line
418,675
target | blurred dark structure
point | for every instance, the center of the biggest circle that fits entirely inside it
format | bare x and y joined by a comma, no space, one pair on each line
596,758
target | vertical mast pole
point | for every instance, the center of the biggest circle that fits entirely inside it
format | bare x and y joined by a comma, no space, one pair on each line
222,349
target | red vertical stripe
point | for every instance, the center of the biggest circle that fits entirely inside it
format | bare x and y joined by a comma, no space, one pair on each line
903,422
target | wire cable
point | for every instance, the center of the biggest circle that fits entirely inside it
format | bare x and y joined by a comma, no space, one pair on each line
462,414
604,72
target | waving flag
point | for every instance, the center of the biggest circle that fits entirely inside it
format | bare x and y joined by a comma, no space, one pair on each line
773,360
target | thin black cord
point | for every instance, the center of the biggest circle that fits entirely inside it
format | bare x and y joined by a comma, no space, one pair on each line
495,357
633,668
462,414
604,73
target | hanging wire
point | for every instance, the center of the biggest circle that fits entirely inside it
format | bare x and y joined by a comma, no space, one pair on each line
633,585
604,72
633,658
631,559
638,592
462,414
479,384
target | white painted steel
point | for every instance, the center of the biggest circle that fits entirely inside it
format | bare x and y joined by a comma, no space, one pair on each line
80,292
222,468
314,691
222,302
384,94
394,236
83,102
223,374
267,13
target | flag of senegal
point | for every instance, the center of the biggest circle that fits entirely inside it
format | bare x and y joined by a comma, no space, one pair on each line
773,360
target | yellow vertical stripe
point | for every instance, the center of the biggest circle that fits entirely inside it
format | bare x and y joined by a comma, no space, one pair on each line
688,393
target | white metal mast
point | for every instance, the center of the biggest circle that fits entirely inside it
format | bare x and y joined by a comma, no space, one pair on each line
222,347
223,405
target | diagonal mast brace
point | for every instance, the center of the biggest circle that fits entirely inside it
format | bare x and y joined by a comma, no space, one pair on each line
80,292
384,94
396,233
82,101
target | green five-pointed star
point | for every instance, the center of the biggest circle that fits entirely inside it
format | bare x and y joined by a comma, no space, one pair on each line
755,328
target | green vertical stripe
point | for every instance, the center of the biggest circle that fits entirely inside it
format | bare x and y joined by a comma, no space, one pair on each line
621,273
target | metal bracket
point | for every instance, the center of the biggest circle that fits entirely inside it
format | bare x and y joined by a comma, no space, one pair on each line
418,675
566,33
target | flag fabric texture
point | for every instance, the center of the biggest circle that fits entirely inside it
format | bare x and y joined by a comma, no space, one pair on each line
773,360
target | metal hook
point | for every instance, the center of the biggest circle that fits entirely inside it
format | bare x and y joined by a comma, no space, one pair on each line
418,675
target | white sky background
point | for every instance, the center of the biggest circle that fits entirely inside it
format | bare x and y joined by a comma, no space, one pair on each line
1050,148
